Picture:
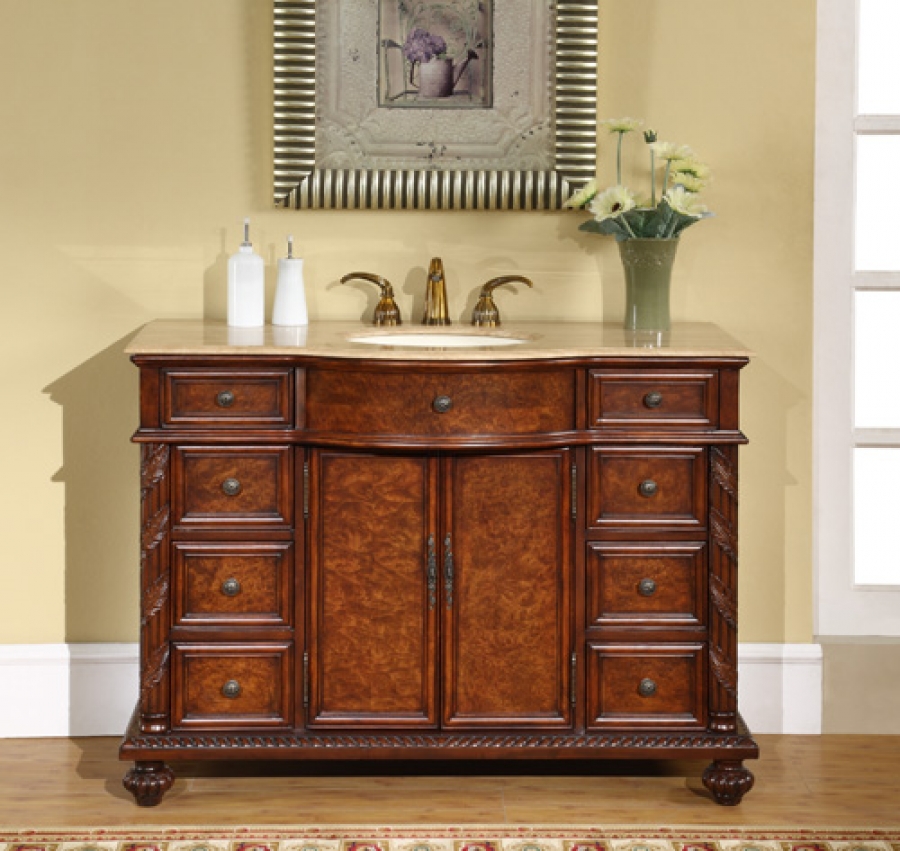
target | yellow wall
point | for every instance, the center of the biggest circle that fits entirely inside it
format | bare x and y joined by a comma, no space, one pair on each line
134,137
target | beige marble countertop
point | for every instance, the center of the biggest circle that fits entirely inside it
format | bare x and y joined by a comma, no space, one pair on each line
338,339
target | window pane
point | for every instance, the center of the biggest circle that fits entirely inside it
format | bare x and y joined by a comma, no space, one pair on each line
876,507
877,190
877,360
879,59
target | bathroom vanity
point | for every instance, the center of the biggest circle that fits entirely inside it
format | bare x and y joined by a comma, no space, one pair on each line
519,545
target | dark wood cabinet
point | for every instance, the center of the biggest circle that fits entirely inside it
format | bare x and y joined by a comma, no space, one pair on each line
354,558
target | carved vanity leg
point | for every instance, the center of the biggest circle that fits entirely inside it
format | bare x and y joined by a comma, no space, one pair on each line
148,782
728,781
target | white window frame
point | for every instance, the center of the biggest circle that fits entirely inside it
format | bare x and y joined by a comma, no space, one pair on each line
843,608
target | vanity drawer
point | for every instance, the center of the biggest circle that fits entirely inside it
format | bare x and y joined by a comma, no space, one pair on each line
223,486
658,685
646,585
233,584
232,685
440,403
202,398
659,398
647,487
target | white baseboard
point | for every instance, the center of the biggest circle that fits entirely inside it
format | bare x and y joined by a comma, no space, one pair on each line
90,689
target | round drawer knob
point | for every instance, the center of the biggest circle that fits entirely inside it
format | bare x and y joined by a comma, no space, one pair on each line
648,488
231,689
647,688
653,399
231,587
647,587
225,399
231,487
442,404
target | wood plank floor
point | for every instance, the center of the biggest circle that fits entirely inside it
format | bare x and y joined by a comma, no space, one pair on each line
800,781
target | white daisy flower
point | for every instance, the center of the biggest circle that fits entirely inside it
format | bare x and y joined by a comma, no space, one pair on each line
583,195
621,125
685,203
612,203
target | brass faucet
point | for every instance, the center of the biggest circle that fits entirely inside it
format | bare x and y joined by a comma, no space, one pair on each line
386,311
486,313
436,295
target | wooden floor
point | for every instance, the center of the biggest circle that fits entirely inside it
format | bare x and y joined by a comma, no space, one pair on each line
800,781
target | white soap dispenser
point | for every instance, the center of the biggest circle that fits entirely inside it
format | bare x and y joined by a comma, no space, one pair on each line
290,294
246,286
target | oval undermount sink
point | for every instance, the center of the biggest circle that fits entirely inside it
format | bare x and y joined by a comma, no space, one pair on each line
436,340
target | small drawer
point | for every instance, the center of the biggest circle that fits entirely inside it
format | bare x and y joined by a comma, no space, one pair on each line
232,685
217,487
648,487
667,399
440,404
233,584
646,585
646,686
203,398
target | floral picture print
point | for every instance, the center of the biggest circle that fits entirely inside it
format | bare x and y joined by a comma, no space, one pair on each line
435,55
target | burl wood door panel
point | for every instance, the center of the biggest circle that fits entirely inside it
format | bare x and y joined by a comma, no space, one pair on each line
506,633
373,616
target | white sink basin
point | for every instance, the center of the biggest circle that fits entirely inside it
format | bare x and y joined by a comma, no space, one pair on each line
435,339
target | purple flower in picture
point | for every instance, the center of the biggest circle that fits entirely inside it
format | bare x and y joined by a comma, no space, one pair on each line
422,46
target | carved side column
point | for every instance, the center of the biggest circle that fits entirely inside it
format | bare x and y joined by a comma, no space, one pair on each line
155,588
723,576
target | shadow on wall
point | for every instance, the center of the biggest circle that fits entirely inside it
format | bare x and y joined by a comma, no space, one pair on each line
100,472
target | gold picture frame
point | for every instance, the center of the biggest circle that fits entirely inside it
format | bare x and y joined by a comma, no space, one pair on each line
301,181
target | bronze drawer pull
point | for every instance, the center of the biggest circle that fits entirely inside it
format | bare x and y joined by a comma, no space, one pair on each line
442,404
225,399
647,688
231,587
653,399
231,487
648,488
231,689
647,587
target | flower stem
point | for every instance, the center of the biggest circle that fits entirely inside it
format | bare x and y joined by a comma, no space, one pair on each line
666,178
619,160
624,221
652,178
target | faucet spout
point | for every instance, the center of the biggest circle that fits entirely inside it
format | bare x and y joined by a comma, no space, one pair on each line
436,312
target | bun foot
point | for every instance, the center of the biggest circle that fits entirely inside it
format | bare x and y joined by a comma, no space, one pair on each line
148,782
728,781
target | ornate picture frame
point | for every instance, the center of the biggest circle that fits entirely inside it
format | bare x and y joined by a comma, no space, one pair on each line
529,148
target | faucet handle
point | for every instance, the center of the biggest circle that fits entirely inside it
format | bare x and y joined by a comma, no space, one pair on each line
386,311
486,313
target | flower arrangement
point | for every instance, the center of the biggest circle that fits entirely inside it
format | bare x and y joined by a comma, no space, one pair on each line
618,212
422,46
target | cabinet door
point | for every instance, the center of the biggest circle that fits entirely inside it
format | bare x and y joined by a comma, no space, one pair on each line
507,621
373,599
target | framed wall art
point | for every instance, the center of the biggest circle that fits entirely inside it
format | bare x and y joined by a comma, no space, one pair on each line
434,104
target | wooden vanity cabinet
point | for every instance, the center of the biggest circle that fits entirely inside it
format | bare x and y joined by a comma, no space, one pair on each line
354,559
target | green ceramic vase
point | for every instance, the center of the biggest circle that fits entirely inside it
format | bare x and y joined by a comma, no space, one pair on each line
648,277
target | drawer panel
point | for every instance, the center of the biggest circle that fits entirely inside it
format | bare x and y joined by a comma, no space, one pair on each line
647,487
233,584
646,585
215,487
646,686
440,404
232,685
662,398
205,398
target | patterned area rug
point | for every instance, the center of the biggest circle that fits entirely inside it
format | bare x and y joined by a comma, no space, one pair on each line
509,838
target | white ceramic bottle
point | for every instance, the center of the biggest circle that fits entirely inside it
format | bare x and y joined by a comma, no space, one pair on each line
246,286
290,294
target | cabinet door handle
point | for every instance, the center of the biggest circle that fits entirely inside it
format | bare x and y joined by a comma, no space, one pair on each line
442,404
647,587
448,571
647,688
231,487
231,587
648,488
432,573
231,689
225,399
